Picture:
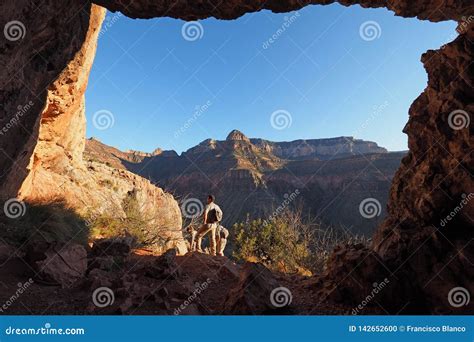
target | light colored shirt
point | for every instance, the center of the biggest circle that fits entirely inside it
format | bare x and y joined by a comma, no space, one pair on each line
209,207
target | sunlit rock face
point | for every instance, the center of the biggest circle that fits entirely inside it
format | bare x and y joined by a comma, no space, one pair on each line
61,137
53,168
37,138
41,39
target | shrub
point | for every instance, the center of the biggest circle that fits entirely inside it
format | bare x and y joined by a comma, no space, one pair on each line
144,227
288,243
281,243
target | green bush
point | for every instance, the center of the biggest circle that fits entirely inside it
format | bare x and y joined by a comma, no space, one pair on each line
289,243
107,225
281,243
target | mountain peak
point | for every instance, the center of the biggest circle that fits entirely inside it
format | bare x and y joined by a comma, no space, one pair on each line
236,135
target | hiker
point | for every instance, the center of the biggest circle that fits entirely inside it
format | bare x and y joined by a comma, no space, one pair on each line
212,217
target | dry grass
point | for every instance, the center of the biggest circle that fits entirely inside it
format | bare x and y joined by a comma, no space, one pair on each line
49,221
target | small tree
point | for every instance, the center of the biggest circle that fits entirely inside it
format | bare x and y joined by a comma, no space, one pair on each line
144,227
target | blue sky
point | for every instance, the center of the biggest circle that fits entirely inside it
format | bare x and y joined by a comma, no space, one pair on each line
323,74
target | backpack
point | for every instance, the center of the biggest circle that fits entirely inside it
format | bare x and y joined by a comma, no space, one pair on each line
214,215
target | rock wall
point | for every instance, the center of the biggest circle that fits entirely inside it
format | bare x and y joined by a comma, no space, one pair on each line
51,166
42,38
428,236
425,246
61,136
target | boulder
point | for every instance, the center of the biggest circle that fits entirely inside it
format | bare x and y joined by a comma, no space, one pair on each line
99,278
7,251
165,266
60,264
105,263
256,293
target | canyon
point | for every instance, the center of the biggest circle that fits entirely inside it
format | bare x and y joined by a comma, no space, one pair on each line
251,178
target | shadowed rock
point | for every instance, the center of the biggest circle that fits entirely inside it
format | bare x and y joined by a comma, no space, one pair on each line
253,294
59,264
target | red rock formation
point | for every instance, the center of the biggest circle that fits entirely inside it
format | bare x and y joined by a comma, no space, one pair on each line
61,137
48,36
435,181
53,154
60,264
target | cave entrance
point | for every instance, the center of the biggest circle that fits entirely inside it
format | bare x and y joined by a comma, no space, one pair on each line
328,89
289,105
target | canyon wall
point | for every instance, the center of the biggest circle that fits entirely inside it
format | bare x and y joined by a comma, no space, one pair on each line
52,168
251,178
319,148
41,39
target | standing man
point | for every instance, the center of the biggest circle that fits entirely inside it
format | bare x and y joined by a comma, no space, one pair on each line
212,217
